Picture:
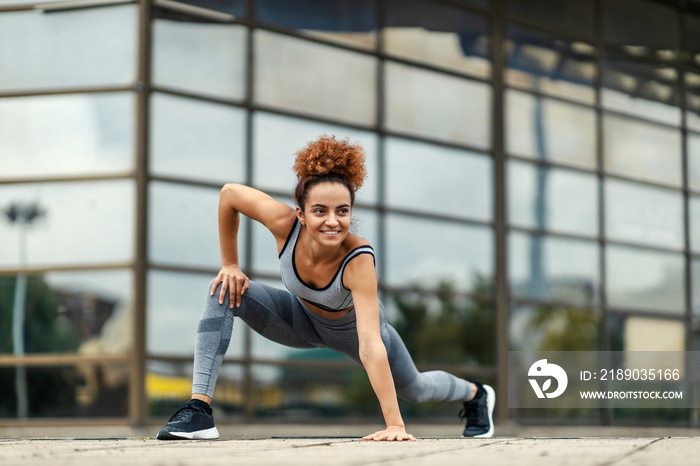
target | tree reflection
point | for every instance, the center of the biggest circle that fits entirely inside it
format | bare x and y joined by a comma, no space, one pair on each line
448,328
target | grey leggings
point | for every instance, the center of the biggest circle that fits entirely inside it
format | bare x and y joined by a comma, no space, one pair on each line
280,316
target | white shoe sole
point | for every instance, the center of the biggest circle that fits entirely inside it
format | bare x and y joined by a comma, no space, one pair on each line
206,434
491,403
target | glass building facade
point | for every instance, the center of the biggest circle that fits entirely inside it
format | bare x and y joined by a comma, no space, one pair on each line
534,183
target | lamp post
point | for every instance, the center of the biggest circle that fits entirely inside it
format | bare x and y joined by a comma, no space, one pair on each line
23,215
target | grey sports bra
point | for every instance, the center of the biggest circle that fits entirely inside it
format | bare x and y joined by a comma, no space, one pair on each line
333,297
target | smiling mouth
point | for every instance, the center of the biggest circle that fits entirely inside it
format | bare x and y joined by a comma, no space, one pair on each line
330,233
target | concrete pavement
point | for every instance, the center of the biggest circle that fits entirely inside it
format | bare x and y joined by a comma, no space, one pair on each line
292,445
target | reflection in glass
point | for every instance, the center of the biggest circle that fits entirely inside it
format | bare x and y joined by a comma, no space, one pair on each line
438,180
552,199
692,98
88,313
694,161
293,74
183,226
694,207
550,327
545,63
344,21
196,139
633,333
570,16
638,88
183,49
438,34
276,139
83,390
445,327
640,150
643,214
175,303
695,273
309,392
72,134
551,268
634,35
438,106
645,280
232,7
425,253
87,222
87,47
547,129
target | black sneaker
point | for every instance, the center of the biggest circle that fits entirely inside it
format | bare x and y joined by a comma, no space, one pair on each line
479,412
193,421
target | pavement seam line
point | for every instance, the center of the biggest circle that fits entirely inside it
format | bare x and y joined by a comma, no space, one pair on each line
633,452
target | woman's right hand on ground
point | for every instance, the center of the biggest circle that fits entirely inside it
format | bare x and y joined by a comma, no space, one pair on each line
235,281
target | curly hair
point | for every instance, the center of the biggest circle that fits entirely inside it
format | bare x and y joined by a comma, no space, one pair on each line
329,160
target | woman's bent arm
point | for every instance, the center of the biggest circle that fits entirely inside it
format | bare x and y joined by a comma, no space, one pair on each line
234,200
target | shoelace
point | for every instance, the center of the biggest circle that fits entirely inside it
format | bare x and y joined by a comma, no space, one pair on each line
469,411
183,413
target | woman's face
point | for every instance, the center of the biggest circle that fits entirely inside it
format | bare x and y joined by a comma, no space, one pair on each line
327,213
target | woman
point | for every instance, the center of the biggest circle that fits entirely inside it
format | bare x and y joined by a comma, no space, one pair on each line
332,300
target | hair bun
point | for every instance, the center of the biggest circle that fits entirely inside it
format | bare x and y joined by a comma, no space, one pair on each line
328,155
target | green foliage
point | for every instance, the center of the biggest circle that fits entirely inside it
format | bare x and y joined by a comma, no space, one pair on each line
564,328
51,390
452,331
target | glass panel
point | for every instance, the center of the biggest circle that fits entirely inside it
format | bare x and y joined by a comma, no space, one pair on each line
183,226
301,76
183,49
638,88
546,267
618,29
344,21
694,207
67,135
692,99
307,392
88,47
547,129
692,40
434,105
438,180
78,223
438,34
552,199
427,253
197,140
695,271
85,390
694,161
232,7
545,63
175,303
633,333
69,312
274,156
645,280
549,327
643,214
445,328
635,149
570,16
